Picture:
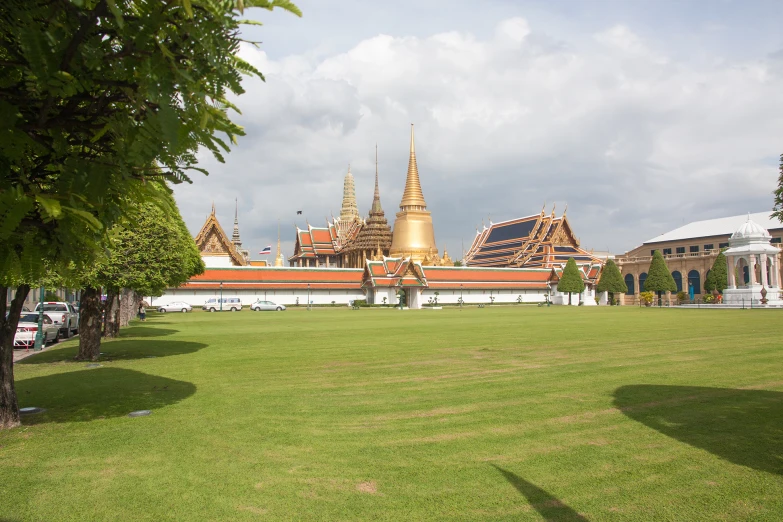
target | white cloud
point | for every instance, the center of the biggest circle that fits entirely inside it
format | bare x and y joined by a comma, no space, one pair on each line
635,141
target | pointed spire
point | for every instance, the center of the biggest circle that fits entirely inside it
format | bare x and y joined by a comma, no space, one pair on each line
413,196
213,208
376,199
235,236
349,210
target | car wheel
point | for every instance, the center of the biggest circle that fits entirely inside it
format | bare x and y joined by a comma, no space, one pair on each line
233,309
54,341
68,333
211,309
279,309
162,310
184,310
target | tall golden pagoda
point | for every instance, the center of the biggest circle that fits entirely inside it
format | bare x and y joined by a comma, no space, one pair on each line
413,234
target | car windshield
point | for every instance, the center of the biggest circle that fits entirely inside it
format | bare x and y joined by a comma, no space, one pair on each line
29,318
53,307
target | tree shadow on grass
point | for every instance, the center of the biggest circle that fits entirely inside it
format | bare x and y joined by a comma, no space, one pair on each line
99,393
549,507
742,426
118,350
145,331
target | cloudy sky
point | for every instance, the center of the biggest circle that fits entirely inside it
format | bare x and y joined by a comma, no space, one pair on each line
641,116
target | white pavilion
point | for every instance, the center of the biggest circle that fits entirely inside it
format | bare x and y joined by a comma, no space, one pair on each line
752,267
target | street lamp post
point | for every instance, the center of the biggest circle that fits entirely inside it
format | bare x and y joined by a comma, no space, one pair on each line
460,297
221,296
308,296
39,339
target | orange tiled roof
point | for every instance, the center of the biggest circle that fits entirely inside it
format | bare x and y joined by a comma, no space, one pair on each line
276,278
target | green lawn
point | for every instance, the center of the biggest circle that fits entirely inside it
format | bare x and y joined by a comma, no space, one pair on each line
515,413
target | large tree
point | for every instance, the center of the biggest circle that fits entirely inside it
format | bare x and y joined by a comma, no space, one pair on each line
659,279
96,98
777,210
718,278
571,281
611,280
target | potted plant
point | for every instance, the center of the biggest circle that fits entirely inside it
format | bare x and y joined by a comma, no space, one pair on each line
646,298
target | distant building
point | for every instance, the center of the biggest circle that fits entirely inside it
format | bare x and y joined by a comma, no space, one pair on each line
690,251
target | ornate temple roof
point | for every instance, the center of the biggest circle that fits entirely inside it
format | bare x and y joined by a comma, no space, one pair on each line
537,241
375,233
211,239
396,272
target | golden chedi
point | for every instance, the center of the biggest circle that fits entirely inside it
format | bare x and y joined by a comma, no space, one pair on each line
413,234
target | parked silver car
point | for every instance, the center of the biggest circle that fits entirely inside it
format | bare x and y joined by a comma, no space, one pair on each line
176,306
260,306
27,329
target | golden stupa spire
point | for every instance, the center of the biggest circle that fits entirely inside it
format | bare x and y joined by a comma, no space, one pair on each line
412,197
279,258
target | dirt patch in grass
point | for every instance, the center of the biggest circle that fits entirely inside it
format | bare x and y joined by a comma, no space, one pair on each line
252,509
367,487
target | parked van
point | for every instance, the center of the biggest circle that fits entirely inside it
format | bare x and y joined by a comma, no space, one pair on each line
231,304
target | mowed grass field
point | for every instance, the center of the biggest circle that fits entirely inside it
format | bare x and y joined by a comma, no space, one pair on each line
502,413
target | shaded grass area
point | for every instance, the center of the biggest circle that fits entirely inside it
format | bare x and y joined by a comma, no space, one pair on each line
512,413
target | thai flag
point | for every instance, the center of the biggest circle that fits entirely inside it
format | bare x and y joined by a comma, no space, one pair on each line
267,250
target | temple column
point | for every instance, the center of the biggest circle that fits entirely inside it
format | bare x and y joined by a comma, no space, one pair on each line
732,280
752,269
764,274
327,261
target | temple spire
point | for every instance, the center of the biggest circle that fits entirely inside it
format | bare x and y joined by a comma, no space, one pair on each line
376,199
349,210
235,236
412,197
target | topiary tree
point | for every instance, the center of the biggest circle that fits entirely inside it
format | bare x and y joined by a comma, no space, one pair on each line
611,280
659,279
718,278
778,208
571,281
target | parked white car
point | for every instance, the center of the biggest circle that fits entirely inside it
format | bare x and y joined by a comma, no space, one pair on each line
27,329
63,315
216,304
260,306
176,306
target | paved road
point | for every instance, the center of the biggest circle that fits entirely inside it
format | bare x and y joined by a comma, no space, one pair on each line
20,354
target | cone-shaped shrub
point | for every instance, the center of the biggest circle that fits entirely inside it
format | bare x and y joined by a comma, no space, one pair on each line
659,279
718,278
611,280
571,280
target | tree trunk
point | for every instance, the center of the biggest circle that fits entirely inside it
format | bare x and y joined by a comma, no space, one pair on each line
111,321
569,298
127,309
89,325
9,408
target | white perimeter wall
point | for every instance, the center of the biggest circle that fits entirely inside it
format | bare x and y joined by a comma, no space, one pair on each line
196,298
482,296
587,297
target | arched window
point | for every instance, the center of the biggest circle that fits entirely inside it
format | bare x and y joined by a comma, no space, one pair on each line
677,280
642,279
629,284
695,280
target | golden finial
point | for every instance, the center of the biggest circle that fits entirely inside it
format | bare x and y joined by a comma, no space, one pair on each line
412,196
566,210
543,209
213,208
554,205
